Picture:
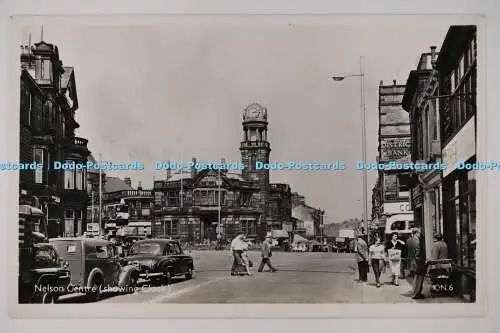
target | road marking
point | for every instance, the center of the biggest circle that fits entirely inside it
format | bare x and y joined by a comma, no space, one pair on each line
162,298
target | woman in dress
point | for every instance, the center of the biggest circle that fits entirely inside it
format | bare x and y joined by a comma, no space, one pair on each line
394,248
376,258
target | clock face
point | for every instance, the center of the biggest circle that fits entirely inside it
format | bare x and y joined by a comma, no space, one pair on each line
254,113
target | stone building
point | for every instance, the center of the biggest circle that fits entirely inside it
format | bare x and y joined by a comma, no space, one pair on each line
48,103
187,202
137,202
422,105
394,146
457,67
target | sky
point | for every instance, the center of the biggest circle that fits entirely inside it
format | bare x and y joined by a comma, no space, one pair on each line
167,92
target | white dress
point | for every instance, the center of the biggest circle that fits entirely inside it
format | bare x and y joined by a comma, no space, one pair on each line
394,256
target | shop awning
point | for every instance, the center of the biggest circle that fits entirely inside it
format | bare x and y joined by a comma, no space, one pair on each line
299,239
315,242
279,234
30,210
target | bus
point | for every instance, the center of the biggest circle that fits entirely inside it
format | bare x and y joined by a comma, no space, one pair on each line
400,223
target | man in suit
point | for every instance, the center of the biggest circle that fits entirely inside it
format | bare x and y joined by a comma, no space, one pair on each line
362,258
416,257
266,254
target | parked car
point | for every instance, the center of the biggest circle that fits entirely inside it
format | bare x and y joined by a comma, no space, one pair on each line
48,277
160,259
95,266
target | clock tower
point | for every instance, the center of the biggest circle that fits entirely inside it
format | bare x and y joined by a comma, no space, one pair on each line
255,148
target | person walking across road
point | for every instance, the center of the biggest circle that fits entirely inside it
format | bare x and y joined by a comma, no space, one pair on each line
266,254
362,258
376,258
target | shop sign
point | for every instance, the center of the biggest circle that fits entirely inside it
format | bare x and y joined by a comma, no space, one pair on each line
460,148
391,208
393,149
416,196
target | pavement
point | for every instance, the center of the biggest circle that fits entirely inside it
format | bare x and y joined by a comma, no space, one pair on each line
301,278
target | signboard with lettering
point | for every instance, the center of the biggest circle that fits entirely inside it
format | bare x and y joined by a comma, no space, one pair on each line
460,148
392,149
416,196
391,208
390,186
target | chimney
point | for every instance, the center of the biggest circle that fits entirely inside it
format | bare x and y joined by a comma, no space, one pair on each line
394,82
381,82
433,55
139,186
193,168
128,181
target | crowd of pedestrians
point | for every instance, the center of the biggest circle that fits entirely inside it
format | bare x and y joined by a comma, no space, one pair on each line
397,256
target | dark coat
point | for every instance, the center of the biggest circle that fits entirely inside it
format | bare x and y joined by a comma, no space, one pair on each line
416,260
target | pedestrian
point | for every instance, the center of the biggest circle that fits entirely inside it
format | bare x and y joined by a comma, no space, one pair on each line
394,247
237,252
439,249
247,263
376,258
266,251
362,258
416,263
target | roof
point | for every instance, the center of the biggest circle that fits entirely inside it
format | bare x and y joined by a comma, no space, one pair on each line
454,42
180,175
412,86
66,77
81,239
234,175
114,184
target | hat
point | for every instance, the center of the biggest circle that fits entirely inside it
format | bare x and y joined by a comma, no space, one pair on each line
268,235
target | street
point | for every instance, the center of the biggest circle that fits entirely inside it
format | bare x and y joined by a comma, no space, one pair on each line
301,278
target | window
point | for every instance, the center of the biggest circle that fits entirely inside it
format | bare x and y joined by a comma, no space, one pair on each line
80,179
173,198
102,252
69,222
209,197
46,70
69,178
452,81
38,155
170,228
245,199
248,227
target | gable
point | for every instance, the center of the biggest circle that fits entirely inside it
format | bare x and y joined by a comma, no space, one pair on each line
210,178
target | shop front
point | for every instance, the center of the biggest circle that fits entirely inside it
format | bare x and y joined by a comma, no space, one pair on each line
459,200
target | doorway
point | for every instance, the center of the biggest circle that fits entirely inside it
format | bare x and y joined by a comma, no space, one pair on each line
208,229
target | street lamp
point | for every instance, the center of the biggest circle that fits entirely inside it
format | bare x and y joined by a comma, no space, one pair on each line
361,75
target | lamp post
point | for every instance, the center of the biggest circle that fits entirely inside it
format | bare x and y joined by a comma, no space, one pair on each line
361,75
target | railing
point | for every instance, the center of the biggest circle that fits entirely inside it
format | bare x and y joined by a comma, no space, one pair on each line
249,144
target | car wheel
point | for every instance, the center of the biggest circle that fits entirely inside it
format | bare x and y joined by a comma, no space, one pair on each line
48,298
132,283
95,293
167,277
189,274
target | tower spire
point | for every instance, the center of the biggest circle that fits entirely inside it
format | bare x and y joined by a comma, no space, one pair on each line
41,35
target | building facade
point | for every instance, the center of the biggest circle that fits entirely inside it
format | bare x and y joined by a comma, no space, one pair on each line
138,203
308,219
394,146
456,64
201,205
48,103
421,101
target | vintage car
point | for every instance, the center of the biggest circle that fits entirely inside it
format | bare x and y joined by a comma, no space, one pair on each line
95,266
160,260
48,277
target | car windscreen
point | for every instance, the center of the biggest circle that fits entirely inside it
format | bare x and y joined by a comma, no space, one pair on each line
145,248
